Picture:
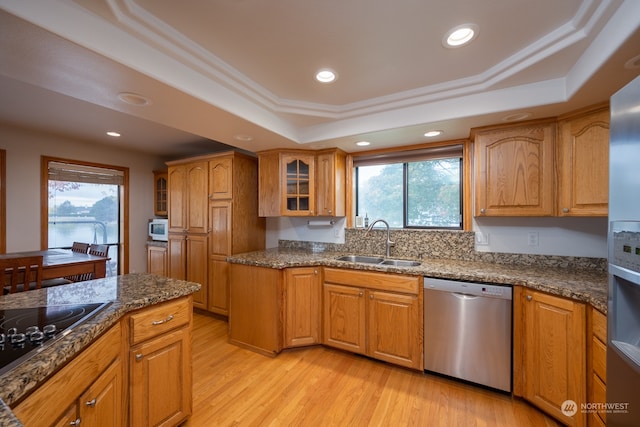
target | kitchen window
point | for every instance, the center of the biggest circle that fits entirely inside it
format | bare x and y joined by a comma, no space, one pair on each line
412,189
84,203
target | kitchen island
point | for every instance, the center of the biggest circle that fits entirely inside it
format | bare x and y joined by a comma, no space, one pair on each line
124,294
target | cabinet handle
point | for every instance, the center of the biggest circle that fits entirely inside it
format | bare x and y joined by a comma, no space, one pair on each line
330,211
75,423
483,210
565,210
315,272
91,403
360,293
160,322
139,357
529,297
370,296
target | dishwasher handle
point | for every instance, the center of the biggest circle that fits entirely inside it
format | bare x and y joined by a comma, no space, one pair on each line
464,296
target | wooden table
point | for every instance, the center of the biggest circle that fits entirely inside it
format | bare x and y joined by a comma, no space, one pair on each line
60,263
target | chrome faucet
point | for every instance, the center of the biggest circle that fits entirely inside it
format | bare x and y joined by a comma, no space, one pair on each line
389,243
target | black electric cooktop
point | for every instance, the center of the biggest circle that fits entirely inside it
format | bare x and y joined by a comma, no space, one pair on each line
25,331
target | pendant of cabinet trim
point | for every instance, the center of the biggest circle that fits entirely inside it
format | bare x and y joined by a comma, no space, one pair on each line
302,183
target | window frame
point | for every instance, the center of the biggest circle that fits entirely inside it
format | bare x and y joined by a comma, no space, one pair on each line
123,250
466,191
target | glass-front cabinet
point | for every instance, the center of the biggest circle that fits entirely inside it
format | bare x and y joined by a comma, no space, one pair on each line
299,196
160,193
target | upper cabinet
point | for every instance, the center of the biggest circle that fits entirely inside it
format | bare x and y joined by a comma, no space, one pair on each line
583,164
188,197
301,183
514,170
160,193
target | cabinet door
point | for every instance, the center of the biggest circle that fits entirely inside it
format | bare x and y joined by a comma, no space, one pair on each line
69,418
394,335
177,256
221,178
196,267
177,197
298,178
160,193
514,171
220,242
330,183
157,260
197,177
344,317
583,169
101,404
160,380
554,354
302,307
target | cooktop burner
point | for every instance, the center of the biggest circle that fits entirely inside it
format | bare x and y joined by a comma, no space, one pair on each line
25,331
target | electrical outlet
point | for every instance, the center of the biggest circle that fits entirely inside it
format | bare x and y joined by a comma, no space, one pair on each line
482,239
532,238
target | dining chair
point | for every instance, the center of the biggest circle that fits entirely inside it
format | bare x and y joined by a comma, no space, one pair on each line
94,249
80,247
19,273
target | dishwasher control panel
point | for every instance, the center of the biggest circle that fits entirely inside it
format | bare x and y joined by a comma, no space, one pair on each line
468,288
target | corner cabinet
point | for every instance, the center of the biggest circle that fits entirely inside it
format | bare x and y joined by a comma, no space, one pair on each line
375,314
549,353
301,183
514,170
583,164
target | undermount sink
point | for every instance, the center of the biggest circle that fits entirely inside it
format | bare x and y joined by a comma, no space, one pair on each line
400,263
377,260
360,258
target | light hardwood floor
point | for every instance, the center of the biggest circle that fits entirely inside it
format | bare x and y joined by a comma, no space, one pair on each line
324,387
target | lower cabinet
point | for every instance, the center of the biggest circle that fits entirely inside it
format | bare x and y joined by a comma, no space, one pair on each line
88,391
597,364
302,306
549,354
160,364
157,260
375,314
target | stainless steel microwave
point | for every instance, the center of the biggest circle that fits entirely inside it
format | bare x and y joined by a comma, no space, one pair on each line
159,229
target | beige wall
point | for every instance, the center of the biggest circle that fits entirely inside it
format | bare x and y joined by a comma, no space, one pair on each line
24,148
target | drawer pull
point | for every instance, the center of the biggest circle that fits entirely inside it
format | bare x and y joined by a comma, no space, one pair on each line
91,403
160,322
139,357
75,423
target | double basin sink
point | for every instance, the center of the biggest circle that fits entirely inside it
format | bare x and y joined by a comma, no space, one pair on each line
378,260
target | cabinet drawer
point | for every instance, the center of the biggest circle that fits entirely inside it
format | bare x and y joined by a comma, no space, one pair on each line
599,325
154,321
599,355
380,281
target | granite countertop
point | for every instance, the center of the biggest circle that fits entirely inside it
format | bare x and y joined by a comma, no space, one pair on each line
585,285
124,293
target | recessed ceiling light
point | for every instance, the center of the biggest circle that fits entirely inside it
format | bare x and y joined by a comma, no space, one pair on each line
113,134
363,143
134,99
244,138
326,75
516,117
433,133
460,35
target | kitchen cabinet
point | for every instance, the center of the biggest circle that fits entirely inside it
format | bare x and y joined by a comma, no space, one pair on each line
286,183
331,183
160,364
596,364
376,314
221,221
160,194
302,306
514,170
549,353
583,163
302,183
89,391
255,307
157,260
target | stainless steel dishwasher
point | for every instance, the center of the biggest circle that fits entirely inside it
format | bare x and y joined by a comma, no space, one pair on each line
468,330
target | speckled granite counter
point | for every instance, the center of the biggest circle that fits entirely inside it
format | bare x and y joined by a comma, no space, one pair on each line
581,284
126,293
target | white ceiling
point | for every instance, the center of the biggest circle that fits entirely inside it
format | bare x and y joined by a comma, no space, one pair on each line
216,69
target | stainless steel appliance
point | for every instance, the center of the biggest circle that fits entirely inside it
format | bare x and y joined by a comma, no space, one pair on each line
468,330
25,331
623,314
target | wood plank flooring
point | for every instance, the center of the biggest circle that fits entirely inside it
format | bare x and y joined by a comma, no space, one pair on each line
320,386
